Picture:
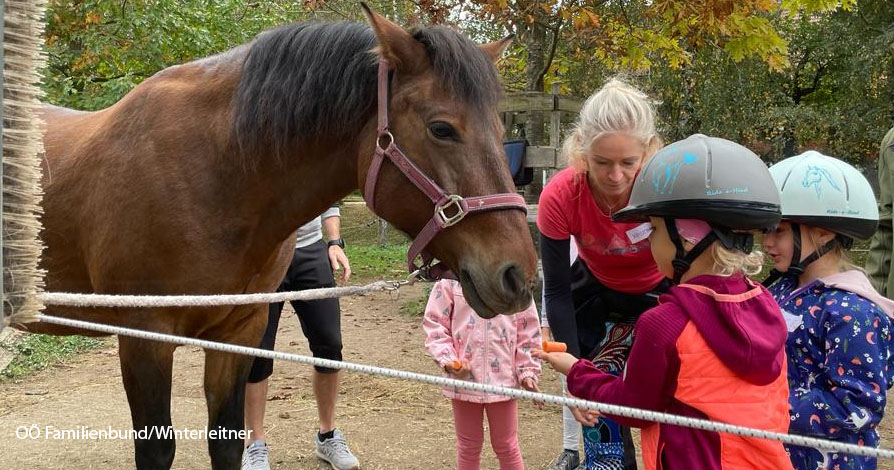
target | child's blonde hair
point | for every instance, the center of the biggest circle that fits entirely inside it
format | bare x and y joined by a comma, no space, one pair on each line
728,262
616,107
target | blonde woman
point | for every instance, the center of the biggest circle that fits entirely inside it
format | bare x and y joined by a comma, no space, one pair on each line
593,304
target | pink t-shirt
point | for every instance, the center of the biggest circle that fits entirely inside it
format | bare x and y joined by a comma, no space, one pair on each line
567,208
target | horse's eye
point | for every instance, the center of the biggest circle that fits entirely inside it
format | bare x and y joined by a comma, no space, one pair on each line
442,130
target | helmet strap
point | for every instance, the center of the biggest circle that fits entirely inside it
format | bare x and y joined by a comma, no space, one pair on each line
683,259
798,266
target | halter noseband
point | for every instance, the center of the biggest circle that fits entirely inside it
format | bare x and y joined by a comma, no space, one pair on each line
449,208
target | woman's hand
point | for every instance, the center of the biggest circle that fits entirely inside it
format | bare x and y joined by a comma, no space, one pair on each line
585,416
561,362
338,260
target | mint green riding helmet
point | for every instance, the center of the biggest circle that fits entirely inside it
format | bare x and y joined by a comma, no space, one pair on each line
821,191
826,192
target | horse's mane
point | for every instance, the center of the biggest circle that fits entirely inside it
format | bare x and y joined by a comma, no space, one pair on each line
310,80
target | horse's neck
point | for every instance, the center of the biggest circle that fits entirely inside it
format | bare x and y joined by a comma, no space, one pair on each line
269,198
293,192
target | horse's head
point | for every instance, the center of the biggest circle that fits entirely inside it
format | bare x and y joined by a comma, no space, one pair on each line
443,114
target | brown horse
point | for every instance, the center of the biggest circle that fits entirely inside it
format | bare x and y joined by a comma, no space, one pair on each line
195,181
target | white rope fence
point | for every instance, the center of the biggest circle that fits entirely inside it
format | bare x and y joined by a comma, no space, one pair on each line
824,445
153,301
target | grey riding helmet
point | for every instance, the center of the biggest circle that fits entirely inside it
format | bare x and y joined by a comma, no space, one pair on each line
709,179
705,178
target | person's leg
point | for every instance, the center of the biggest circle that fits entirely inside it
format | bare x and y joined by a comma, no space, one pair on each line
629,307
570,427
256,388
321,324
604,446
255,456
570,457
605,338
255,406
468,420
325,392
502,419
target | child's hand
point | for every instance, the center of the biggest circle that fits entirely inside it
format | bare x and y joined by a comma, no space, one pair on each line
560,361
529,384
585,416
461,372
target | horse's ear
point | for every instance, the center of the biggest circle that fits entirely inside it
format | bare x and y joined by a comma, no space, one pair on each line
395,44
494,50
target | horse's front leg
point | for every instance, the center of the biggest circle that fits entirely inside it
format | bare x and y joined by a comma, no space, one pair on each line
225,376
146,370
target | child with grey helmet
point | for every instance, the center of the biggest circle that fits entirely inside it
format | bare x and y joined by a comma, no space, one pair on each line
839,331
714,346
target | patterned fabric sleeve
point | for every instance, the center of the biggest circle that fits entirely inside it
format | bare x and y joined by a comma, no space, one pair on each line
436,324
529,337
849,389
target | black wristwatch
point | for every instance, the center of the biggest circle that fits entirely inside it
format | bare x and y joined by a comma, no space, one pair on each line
339,242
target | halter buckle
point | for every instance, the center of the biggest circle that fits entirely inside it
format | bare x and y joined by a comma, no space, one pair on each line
386,135
453,202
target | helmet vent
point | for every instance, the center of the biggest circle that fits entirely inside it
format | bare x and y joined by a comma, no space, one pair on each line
709,162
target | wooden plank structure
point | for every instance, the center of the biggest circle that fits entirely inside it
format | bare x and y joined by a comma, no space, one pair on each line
546,159
515,109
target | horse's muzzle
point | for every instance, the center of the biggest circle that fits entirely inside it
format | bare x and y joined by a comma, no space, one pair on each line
505,292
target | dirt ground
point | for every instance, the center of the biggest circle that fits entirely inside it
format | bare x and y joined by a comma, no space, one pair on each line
389,424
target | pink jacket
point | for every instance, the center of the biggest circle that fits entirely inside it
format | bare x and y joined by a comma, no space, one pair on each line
498,350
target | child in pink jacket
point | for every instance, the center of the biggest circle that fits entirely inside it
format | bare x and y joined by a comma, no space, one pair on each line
494,352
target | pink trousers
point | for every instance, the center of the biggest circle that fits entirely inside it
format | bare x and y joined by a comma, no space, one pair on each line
502,419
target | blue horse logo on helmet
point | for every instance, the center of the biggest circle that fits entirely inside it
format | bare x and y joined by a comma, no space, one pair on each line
665,176
815,177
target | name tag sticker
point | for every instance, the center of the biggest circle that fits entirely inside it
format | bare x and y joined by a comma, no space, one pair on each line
792,322
640,232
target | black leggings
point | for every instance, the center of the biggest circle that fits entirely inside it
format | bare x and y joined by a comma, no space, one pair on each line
320,319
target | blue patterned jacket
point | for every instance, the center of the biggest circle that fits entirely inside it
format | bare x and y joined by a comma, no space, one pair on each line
839,364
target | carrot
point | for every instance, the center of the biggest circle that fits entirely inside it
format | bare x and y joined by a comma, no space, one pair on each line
554,346
456,365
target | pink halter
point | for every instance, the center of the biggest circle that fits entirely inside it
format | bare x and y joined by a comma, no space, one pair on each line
449,208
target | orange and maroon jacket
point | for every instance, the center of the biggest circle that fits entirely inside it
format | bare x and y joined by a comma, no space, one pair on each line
712,349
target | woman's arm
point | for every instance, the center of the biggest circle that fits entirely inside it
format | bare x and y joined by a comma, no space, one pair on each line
557,292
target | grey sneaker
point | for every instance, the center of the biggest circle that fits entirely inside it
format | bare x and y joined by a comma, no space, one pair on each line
254,457
568,460
335,451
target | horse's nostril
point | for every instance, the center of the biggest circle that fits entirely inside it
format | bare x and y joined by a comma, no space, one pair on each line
513,280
